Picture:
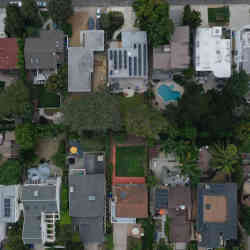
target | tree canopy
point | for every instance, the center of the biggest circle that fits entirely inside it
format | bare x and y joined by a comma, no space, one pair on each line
142,120
25,136
14,100
58,83
30,13
97,112
224,158
60,11
10,173
153,16
192,18
14,22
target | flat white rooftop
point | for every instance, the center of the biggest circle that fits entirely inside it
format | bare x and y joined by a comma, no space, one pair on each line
213,52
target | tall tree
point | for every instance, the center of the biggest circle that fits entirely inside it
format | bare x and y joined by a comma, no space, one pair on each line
224,158
141,120
14,100
97,112
14,21
60,11
192,18
153,16
58,83
25,136
31,13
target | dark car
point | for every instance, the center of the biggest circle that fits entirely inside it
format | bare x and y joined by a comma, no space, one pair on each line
220,86
91,23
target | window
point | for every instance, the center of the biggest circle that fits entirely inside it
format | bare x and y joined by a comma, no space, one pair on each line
7,207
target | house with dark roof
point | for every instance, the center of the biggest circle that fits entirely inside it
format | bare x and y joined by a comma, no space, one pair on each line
8,54
174,56
217,214
128,64
44,54
87,193
41,206
81,60
175,204
130,202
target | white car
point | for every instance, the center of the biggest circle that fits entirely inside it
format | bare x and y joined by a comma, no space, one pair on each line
98,12
18,3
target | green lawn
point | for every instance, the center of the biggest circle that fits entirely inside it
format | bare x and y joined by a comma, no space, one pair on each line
130,161
219,16
46,99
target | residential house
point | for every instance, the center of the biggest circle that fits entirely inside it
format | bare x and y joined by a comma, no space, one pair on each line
172,57
213,52
129,202
81,60
8,147
217,214
44,54
87,193
8,54
173,205
41,206
10,209
128,63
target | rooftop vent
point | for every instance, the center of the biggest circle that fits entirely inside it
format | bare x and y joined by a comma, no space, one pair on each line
91,197
36,193
100,158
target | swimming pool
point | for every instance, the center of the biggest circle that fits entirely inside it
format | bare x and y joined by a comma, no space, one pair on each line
167,93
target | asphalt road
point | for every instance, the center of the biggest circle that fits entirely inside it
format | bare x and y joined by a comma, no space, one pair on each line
108,3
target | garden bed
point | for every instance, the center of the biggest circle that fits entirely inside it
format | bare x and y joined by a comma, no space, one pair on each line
219,16
130,161
46,99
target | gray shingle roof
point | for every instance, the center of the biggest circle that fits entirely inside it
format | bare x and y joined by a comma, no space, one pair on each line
46,51
210,231
11,193
36,199
80,68
85,187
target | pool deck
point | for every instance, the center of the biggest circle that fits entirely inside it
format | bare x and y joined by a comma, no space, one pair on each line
158,99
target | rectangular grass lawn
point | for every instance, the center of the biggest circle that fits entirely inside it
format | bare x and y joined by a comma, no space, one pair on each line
130,161
46,99
219,16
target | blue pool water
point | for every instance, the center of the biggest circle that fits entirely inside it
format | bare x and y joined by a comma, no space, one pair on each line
168,94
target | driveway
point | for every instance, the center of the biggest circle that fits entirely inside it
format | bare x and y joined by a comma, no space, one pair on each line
239,16
120,234
176,14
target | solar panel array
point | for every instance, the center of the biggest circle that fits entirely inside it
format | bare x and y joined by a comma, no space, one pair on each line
161,198
129,62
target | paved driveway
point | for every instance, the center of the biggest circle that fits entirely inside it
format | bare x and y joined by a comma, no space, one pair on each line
120,234
239,16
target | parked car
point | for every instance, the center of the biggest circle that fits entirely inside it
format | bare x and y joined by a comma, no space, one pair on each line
98,13
18,3
91,23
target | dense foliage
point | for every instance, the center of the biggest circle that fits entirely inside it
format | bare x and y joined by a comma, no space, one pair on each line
10,173
25,136
58,82
153,16
14,100
111,21
192,18
98,112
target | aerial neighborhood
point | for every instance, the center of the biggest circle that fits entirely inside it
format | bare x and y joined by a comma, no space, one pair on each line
125,124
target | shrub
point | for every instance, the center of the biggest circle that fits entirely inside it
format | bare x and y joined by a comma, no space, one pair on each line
10,173
60,156
67,28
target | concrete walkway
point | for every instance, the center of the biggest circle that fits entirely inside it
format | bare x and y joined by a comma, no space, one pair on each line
56,118
120,234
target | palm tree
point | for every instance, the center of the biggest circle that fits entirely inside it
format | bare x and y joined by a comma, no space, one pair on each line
224,158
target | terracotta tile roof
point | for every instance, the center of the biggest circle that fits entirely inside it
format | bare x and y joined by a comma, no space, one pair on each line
8,53
132,200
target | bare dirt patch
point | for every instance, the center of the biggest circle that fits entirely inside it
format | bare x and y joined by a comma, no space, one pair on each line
79,22
100,67
46,148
